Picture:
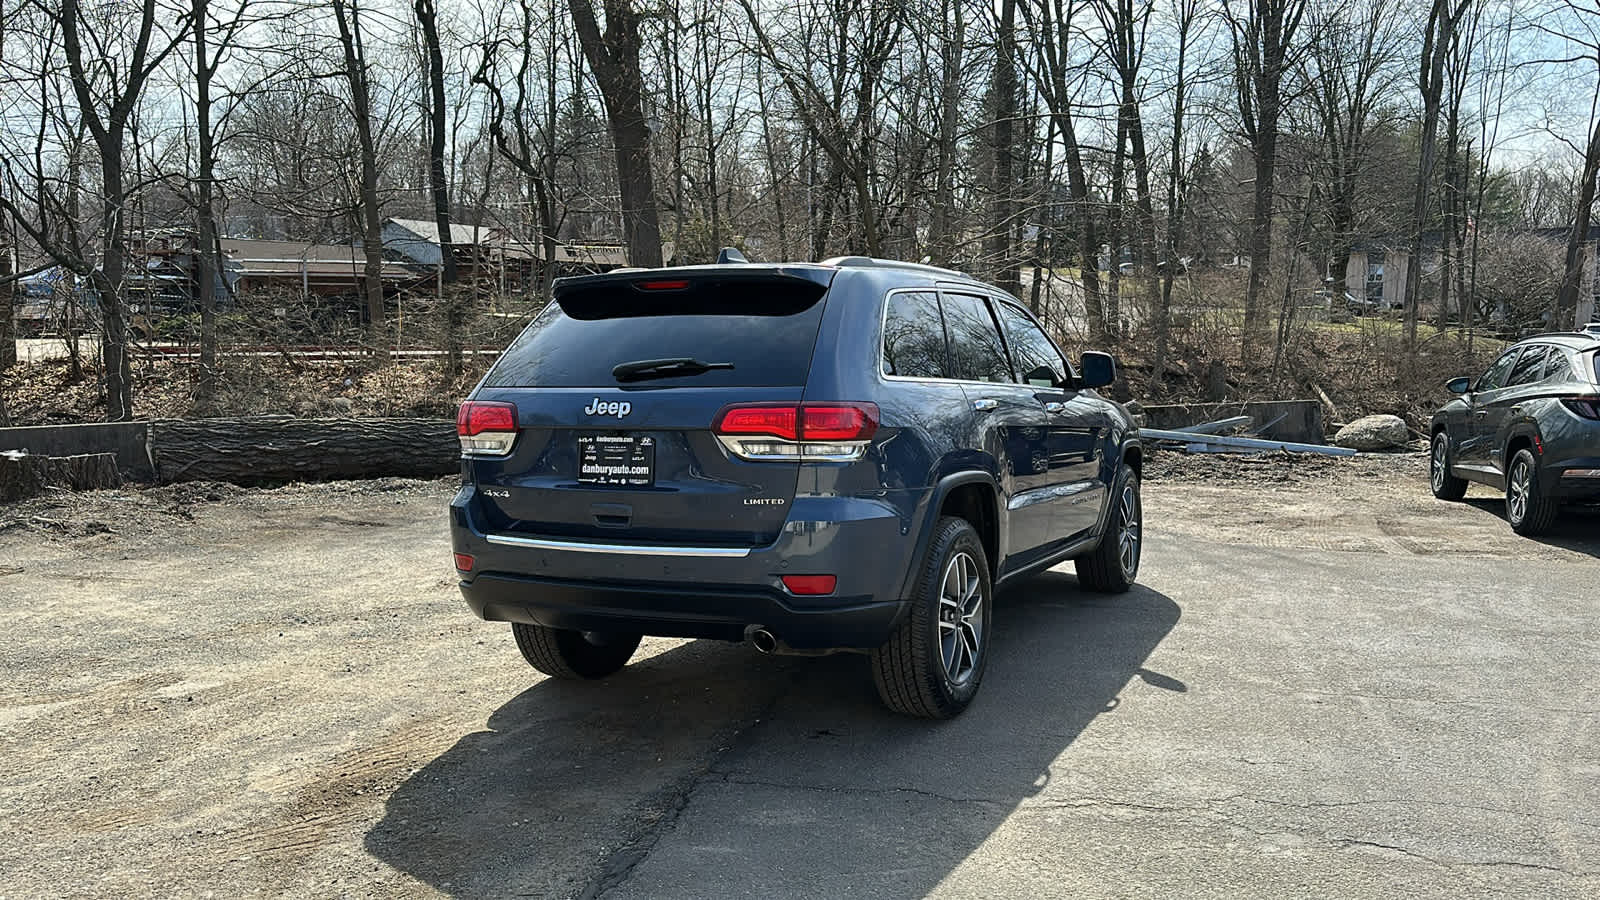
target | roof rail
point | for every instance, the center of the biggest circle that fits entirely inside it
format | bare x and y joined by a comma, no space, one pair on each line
868,262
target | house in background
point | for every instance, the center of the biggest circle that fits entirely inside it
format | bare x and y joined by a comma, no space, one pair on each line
311,269
1378,270
496,256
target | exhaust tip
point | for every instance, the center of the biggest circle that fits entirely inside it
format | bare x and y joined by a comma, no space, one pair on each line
762,639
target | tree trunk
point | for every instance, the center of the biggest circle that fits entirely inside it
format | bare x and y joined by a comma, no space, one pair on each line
1578,239
349,23
207,263
24,475
276,449
1002,218
614,57
108,281
438,184
1436,43
1175,204
1266,153
8,293
941,226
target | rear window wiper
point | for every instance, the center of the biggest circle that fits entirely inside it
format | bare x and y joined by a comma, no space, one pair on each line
664,368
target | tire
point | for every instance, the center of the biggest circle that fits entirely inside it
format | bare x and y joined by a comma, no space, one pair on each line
1113,565
1528,510
1446,486
933,663
563,653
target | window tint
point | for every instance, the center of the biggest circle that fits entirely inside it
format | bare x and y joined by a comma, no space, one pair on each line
1036,360
976,351
1558,368
767,330
1497,372
1530,366
913,336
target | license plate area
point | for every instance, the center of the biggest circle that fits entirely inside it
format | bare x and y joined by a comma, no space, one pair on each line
625,460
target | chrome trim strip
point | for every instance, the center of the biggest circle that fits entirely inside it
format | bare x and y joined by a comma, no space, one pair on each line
630,549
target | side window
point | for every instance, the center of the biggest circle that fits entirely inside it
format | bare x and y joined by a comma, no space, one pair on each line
1496,375
1036,360
1529,368
976,351
1558,368
913,336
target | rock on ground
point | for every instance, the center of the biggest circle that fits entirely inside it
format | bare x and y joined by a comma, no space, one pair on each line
1374,433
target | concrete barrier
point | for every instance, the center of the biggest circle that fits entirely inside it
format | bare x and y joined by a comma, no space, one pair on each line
1299,421
130,441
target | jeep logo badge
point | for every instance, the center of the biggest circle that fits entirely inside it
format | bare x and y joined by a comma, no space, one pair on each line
598,407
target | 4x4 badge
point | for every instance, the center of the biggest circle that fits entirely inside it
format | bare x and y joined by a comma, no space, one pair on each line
598,407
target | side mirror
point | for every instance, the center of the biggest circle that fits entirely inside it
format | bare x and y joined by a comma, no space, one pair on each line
1459,385
1096,369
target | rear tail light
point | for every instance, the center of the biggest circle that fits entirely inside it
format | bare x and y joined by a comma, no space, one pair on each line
1588,407
486,428
813,585
464,562
819,432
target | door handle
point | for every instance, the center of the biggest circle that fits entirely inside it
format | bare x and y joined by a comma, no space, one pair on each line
1481,414
986,403
1055,408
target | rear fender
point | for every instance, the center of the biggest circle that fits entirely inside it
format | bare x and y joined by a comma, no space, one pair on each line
929,521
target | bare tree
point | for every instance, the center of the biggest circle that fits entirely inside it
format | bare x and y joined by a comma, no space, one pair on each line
212,42
1186,14
1349,84
952,44
438,114
1002,148
520,145
841,114
1584,37
1267,44
614,58
1125,23
347,16
1444,16
1057,78
110,59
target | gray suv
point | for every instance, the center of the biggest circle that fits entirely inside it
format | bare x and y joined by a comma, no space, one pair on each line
845,456
1528,426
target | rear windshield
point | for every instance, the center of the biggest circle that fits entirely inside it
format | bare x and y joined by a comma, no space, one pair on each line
766,329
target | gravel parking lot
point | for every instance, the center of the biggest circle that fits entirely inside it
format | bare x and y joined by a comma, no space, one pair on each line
1329,683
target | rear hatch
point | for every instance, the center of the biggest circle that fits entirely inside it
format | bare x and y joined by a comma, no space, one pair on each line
615,409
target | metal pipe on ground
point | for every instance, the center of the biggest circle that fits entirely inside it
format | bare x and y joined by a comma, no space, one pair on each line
1243,444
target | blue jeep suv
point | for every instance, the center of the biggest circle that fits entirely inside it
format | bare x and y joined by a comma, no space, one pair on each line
850,455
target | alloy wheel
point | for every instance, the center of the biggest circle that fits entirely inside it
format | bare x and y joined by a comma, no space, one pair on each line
1517,496
1130,532
961,617
1441,455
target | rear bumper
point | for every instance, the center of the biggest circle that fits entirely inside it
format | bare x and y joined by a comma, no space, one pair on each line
1575,478
699,612
586,585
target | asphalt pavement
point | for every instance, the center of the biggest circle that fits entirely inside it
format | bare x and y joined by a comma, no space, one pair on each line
281,693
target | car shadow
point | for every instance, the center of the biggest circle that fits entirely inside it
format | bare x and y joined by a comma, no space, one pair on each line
559,796
1577,526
